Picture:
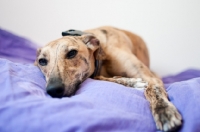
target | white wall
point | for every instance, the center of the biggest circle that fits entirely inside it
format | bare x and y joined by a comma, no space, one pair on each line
171,28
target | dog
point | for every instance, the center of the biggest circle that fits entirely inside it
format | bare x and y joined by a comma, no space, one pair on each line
110,54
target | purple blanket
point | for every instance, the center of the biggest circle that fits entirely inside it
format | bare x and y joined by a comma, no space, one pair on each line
97,105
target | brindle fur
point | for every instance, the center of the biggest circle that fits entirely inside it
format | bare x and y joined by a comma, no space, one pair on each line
122,53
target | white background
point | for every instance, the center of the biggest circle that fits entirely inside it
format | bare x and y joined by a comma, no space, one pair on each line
171,28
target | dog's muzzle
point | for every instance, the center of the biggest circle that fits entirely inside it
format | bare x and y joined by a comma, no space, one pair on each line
55,88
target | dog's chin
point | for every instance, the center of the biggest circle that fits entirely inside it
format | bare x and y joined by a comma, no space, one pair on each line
71,93
72,89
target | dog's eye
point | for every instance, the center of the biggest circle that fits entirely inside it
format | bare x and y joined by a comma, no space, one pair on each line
43,62
71,54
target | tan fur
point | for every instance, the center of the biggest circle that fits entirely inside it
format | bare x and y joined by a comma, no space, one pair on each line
122,53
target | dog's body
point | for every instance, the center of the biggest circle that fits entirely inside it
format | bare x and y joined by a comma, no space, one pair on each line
123,57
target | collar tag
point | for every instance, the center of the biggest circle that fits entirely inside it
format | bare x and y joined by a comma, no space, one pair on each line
72,32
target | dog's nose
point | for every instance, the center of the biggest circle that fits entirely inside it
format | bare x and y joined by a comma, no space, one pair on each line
56,90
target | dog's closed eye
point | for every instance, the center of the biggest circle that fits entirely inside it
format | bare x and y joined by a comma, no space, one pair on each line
71,54
43,62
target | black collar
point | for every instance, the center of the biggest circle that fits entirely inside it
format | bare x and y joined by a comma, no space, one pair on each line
73,32
97,68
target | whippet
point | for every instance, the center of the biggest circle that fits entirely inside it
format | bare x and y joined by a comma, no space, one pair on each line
110,54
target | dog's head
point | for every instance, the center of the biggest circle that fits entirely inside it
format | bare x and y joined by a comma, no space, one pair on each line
67,62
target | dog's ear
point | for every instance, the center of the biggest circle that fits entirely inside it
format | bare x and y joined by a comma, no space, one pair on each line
94,44
37,54
91,41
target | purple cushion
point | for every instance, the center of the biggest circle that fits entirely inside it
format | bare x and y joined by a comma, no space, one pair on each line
97,105
16,48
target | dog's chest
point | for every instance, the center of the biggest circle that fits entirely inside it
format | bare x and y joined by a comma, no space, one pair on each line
109,70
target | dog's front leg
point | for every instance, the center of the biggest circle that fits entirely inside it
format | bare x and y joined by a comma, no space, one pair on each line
165,114
129,82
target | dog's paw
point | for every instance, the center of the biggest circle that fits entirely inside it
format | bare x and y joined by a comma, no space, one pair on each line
139,83
167,118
